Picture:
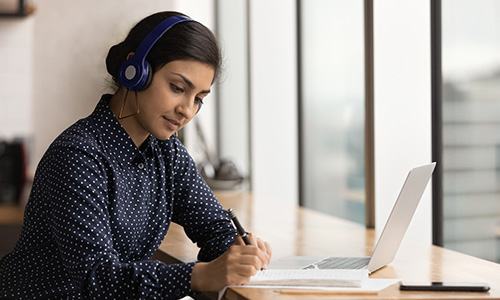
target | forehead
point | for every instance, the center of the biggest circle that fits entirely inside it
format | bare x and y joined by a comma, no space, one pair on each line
199,74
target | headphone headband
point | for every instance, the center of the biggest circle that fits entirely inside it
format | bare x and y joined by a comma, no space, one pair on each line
135,73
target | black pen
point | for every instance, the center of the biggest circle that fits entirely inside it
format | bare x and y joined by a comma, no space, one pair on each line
238,226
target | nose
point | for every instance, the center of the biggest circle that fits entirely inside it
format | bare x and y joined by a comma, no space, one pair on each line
187,108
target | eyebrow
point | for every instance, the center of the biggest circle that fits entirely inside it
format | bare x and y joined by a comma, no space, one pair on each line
190,84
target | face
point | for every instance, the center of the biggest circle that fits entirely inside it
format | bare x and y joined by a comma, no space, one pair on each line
173,98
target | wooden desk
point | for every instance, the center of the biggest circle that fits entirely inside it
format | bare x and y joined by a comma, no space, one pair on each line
11,221
11,214
294,230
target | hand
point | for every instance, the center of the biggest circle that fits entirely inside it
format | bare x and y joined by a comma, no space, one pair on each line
262,245
234,267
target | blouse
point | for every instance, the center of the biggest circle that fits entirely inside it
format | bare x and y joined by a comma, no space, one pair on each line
98,210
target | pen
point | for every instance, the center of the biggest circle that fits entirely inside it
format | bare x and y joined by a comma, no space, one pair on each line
238,226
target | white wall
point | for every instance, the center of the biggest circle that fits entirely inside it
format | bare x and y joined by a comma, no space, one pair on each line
274,140
71,41
402,105
16,57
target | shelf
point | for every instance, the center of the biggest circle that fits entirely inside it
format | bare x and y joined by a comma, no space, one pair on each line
23,10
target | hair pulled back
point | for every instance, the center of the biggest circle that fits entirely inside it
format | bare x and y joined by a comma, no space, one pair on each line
184,41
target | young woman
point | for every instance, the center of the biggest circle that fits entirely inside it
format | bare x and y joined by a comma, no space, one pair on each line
108,187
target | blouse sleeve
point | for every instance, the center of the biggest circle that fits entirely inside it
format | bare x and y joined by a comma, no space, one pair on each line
76,189
198,211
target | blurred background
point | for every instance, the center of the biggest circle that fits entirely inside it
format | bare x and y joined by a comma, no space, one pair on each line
322,103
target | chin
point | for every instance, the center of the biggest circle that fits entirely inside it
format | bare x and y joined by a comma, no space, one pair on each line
163,136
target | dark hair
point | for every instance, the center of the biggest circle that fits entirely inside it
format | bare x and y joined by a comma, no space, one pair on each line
184,41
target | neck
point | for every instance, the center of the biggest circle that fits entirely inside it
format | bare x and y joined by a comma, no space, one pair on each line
130,123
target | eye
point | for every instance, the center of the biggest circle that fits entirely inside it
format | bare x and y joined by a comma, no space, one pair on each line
175,88
200,104
198,100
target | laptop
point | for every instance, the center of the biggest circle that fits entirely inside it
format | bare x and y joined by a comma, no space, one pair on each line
390,238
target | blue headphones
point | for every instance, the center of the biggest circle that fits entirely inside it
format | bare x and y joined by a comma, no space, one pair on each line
135,73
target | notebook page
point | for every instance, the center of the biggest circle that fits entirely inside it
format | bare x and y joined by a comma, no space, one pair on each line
311,277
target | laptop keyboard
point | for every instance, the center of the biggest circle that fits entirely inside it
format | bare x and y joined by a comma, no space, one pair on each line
341,263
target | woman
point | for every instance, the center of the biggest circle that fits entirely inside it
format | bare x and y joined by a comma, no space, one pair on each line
108,187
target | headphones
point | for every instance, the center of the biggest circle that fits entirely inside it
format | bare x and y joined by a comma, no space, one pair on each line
135,73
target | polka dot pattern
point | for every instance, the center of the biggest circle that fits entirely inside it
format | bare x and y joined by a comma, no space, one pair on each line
98,210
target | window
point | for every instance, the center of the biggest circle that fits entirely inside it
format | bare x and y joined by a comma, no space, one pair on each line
332,107
471,126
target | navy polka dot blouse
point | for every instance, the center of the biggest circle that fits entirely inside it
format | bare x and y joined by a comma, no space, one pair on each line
98,210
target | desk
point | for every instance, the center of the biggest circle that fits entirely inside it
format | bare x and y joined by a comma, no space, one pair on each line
11,221
295,230
11,214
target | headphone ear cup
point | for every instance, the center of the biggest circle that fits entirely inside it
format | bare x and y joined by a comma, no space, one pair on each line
132,73
149,73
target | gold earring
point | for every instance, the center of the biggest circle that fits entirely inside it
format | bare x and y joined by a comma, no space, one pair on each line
177,134
120,116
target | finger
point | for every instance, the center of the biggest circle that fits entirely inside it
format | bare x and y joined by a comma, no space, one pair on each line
239,240
266,249
269,250
261,245
260,254
259,248
248,255
248,267
253,238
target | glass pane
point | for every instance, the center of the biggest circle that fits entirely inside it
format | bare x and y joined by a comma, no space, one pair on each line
233,89
332,95
471,126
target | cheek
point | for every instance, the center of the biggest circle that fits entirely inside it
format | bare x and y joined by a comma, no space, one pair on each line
153,103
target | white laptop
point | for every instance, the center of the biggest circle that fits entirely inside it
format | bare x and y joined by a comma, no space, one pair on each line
390,238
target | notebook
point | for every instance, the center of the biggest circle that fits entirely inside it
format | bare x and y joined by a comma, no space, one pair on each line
390,238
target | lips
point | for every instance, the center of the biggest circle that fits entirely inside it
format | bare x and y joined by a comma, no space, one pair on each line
172,124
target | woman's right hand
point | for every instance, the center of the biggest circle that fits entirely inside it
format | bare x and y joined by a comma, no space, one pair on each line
234,267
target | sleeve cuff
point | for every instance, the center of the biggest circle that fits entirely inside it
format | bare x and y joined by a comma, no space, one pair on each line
177,281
